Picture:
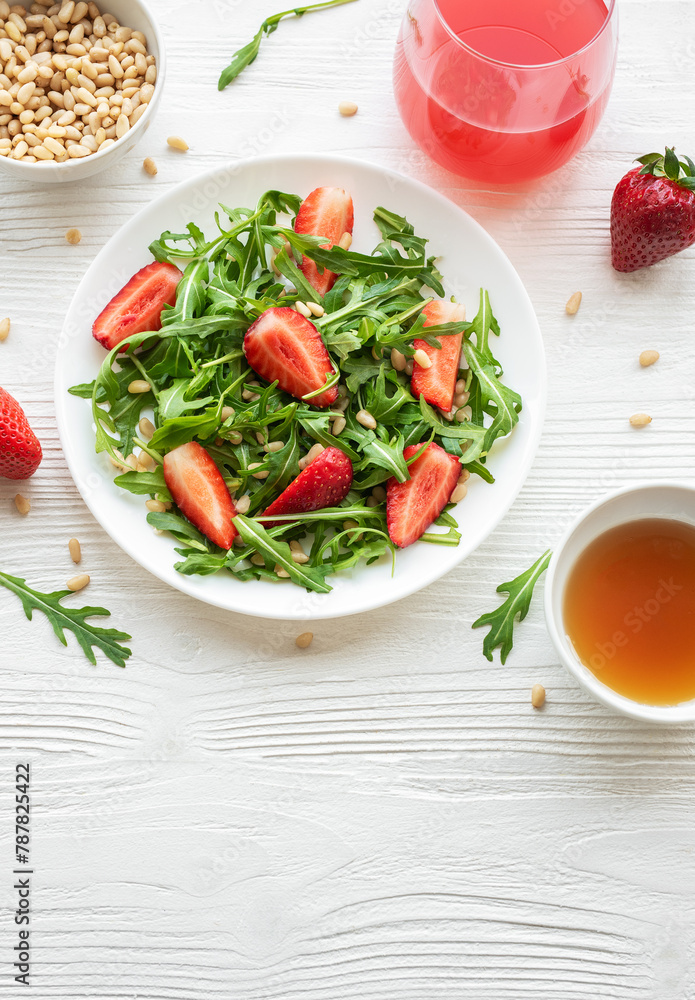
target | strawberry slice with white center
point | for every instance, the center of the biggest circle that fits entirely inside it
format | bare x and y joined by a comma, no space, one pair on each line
437,383
200,492
284,347
327,211
138,306
411,507
324,483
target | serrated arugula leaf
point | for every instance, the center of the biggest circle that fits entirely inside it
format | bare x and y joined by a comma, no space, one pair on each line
62,618
501,621
496,399
280,554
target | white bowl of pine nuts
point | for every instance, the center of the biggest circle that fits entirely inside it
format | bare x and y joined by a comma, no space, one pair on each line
106,63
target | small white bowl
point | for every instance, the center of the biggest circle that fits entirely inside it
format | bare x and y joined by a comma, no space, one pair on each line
674,501
135,15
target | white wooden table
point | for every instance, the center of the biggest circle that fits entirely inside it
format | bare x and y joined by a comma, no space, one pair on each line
383,816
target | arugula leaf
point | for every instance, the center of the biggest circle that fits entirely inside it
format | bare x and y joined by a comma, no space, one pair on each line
247,54
501,621
279,553
496,399
74,619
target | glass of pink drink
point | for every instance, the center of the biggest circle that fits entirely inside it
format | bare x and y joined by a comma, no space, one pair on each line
505,90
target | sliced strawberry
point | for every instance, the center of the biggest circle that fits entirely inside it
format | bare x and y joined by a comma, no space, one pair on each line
285,347
20,451
437,383
200,492
411,507
328,212
138,306
324,483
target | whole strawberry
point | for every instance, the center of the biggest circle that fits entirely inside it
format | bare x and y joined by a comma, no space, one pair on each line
20,451
653,211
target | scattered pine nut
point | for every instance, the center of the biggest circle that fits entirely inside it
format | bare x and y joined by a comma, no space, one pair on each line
460,387
538,695
409,365
263,474
149,166
300,557
339,426
22,504
365,418
465,476
273,446
646,358
146,427
257,559
145,462
345,241
379,493
75,550
156,506
76,583
4,328
73,236
138,385
176,142
242,504
304,640
459,493
302,308
347,109
640,419
314,452
371,501
422,358
282,573
236,437
573,304
398,360
227,412
315,309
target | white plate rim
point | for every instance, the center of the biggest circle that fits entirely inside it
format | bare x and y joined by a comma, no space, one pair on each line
304,612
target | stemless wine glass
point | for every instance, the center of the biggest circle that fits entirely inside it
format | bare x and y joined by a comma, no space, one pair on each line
505,90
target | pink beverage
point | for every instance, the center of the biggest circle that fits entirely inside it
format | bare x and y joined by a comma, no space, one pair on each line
504,90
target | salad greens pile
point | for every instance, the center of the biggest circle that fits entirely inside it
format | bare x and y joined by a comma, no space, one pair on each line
195,366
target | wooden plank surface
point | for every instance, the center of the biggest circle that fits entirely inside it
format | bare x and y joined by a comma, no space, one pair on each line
382,816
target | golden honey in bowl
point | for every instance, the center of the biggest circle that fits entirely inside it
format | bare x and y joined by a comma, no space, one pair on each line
629,610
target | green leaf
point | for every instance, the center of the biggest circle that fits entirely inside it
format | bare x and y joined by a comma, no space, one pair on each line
144,483
672,167
497,399
280,553
501,621
61,618
247,54
173,402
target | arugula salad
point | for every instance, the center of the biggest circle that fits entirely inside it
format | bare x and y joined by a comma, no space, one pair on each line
274,366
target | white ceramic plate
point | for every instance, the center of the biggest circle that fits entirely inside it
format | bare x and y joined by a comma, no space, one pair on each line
469,259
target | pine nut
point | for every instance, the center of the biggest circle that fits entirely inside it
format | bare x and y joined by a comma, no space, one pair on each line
146,427
463,413
274,446
57,148
300,557
345,241
145,462
78,582
176,142
75,550
263,474
460,399
538,696
260,437
315,309
22,504
149,166
648,358
282,573
257,559
379,493
371,502
79,151
446,414
464,477
302,308
122,126
573,304
397,360
422,358
314,452
304,640
4,328
339,426
236,437
365,418
459,493
640,420
296,546
73,236
138,385
156,506
227,412
242,504
347,109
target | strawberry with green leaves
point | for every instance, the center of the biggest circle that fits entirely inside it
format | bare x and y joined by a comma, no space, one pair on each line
653,211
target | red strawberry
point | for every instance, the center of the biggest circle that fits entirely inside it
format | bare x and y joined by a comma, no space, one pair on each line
282,346
201,493
438,382
326,212
324,483
653,211
138,305
411,507
20,451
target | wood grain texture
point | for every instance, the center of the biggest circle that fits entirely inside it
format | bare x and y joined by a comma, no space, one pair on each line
382,816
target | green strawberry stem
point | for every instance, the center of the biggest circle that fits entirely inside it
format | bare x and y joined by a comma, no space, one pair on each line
680,171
